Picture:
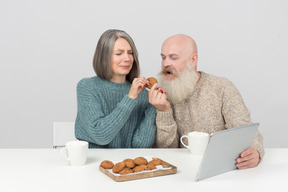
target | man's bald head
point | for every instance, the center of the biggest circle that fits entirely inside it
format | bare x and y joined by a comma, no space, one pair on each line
181,41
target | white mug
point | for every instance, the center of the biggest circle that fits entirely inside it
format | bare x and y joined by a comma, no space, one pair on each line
197,142
76,152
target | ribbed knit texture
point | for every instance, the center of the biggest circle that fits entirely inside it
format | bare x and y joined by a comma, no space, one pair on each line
214,105
108,118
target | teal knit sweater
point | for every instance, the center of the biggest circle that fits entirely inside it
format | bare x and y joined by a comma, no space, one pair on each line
108,118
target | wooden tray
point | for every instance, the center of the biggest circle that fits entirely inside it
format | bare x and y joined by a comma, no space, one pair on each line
173,170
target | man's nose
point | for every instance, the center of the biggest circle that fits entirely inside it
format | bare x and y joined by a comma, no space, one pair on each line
165,63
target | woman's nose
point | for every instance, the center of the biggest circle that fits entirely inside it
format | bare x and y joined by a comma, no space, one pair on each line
127,57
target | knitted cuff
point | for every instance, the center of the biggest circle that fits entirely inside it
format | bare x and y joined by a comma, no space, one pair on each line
165,118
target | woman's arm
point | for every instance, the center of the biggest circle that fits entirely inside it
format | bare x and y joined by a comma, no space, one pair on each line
93,125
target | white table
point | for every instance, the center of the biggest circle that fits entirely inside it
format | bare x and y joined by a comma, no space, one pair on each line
46,170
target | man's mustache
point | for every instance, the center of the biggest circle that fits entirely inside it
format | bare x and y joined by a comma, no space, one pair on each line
166,70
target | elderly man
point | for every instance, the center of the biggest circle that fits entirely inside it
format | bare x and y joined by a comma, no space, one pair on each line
190,100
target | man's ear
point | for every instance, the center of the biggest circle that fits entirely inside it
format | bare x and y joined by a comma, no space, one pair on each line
194,60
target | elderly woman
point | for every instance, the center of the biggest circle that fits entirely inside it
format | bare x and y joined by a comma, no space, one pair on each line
113,108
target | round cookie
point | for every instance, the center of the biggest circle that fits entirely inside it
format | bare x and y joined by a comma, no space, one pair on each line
140,161
152,81
139,168
156,161
107,164
118,167
129,163
151,166
126,171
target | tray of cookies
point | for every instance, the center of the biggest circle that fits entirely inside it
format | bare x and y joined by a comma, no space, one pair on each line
136,168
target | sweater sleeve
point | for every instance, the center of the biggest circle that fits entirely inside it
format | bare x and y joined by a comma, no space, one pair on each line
237,114
97,127
144,136
167,135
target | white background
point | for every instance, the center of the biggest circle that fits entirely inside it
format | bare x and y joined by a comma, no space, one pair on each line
46,47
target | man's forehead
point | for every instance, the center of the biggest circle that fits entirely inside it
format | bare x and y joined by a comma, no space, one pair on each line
174,48
171,49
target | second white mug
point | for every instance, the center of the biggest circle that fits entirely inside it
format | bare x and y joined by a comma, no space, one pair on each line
197,142
76,152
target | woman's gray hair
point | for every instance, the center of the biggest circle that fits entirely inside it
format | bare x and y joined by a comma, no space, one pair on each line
102,57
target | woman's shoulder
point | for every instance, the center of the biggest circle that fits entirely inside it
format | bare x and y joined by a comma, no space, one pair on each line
88,81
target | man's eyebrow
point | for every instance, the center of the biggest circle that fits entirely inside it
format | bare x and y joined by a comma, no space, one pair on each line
173,55
170,55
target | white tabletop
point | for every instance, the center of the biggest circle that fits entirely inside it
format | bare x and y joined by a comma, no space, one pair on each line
46,170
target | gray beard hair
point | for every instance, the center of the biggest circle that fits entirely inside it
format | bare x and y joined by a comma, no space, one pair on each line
181,86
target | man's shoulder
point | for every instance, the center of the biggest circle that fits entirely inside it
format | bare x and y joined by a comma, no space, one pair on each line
214,79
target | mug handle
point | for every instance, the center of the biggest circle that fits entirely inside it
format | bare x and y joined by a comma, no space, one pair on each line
183,142
64,152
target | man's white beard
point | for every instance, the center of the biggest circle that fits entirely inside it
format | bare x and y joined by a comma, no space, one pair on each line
181,86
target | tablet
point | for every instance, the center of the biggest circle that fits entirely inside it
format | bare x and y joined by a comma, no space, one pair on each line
223,148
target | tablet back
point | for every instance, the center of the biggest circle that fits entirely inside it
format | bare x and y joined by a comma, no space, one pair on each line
224,148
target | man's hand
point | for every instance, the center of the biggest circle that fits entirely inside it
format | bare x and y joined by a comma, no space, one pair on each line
248,159
158,99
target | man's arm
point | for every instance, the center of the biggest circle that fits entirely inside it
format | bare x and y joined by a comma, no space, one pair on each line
166,134
237,114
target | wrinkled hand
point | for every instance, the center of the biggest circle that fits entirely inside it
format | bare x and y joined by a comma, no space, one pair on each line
158,98
248,159
138,85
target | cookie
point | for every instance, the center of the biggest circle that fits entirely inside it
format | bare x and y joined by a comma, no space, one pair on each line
126,171
140,161
156,161
152,81
129,163
118,167
107,164
151,166
139,168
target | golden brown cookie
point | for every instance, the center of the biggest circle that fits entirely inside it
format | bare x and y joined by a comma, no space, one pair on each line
140,161
107,164
129,163
156,161
118,167
126,171
151,166
139,168
152,81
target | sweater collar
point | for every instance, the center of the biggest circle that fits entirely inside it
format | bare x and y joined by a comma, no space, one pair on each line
115,85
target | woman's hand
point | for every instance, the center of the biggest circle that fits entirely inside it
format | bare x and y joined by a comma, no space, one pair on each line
138,85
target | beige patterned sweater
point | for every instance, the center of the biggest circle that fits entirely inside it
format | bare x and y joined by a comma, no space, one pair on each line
214,105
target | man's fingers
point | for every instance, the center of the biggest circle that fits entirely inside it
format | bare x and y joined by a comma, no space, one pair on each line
246,165
247,152
248,159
